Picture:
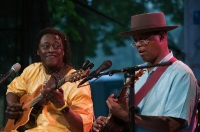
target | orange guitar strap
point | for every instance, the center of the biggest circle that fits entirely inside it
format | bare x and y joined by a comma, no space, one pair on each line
150,82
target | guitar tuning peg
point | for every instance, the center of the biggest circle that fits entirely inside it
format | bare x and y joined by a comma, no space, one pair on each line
87,64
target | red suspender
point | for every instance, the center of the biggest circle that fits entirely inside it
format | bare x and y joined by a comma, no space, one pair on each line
150,82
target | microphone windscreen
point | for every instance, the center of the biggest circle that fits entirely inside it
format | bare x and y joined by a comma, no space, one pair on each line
106,65
16,67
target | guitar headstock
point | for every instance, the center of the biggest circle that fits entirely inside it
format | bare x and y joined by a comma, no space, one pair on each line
136,77
82,73
77,75
138,74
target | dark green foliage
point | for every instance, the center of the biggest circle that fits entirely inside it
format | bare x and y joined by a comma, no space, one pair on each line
102,21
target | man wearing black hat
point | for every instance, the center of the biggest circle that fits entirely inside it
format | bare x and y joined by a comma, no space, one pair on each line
166,97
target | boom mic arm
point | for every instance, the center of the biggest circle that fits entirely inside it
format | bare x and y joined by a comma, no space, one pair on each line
135,68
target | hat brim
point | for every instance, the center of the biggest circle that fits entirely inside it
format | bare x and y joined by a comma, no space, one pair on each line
135,32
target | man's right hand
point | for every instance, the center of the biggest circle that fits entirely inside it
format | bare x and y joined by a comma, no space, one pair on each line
99,123
14,111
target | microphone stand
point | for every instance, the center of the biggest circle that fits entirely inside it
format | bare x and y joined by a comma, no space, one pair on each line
131,103
132,92
132,70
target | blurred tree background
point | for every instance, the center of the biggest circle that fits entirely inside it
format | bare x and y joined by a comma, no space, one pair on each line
88,23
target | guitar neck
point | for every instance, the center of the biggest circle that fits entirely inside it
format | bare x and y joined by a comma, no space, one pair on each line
54,86
59,83
122,93
77,75
36,100
131,80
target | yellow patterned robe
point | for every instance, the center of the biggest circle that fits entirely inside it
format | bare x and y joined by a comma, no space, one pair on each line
51,120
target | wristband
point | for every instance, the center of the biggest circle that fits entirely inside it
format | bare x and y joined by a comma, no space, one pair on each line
61,108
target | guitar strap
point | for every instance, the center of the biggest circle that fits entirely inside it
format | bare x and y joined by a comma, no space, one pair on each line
56,76
150,82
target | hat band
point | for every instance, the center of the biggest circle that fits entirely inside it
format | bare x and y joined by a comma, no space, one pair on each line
148,26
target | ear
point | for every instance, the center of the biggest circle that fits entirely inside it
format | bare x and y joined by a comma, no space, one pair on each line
162,36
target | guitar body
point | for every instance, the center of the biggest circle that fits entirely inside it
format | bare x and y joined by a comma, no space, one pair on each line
114,124
32,104
29,115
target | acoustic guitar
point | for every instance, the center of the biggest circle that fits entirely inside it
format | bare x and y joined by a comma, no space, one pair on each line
114,124
30,106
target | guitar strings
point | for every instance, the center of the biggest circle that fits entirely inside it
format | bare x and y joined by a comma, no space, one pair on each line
47,77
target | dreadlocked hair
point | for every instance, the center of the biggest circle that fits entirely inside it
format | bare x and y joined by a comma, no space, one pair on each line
65,42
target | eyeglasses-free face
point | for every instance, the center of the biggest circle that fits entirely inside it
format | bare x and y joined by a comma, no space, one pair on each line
141,42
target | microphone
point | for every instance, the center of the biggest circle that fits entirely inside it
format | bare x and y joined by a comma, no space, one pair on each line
104,66
15,68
